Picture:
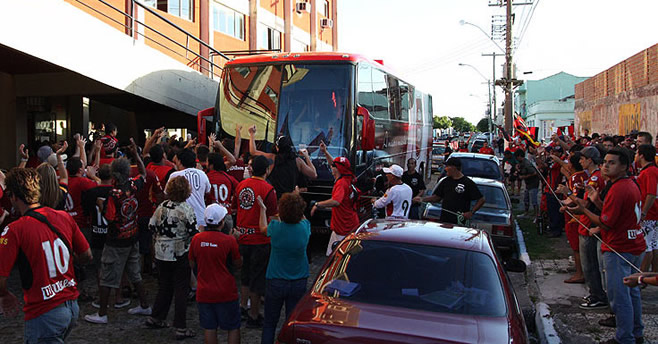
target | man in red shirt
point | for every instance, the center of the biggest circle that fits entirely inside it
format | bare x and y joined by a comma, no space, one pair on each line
217,293
77,184
254,245
648,181
222,186
148,198
486,149
588,245
344,218
619,228
158,165
49,240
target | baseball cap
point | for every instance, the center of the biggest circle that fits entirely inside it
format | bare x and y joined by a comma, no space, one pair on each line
44,152
395,170
455,162
214,214
592,153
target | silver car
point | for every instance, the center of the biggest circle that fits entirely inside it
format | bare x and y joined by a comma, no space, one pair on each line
495,217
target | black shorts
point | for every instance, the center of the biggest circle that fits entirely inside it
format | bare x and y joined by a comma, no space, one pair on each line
144,236
254,266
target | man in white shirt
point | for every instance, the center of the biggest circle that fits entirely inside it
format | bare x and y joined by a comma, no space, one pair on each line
397,198
199,184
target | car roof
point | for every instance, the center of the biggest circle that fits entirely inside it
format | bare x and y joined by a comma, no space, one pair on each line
475,156
425,233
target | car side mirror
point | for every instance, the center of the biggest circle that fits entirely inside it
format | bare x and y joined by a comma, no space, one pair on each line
514,265
368,132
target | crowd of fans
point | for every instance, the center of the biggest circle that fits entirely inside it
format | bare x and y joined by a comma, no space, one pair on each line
600,191
193,213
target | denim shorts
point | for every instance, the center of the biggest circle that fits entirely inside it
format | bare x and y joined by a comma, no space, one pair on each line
224,315
53,326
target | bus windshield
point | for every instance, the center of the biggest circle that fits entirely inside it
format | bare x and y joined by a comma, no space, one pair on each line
307,102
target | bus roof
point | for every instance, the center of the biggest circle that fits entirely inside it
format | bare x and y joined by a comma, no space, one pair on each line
301,56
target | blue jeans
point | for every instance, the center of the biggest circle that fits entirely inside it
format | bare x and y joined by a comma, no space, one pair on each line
530,197
53,326
278,292
625,302
589,260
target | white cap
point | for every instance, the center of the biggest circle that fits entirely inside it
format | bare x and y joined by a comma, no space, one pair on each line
394,170
214,214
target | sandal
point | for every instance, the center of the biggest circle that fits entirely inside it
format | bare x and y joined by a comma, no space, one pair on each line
574,280
183,333
152,322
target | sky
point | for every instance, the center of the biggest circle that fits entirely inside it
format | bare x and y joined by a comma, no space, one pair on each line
423,41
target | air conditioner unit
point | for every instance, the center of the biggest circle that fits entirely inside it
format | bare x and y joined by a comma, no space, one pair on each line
301,7
326,23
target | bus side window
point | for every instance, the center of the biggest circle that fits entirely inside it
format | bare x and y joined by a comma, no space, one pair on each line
404,100
380,95
394,98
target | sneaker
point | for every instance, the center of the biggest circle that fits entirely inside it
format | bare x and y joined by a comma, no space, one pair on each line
96,319
609,322
122,304
140,311
587,298
96,304
593,304
255,323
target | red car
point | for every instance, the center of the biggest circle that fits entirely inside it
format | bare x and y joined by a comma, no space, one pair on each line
409,282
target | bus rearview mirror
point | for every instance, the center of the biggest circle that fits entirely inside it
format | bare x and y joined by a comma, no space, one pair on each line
368,130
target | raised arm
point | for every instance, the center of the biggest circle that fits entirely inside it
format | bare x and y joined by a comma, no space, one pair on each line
238,141
230,159
25,155
252,142
96,153
138,160
63,173
305,166
157,134
80,146
323,149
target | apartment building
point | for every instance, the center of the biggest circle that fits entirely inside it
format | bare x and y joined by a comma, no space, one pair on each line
68,65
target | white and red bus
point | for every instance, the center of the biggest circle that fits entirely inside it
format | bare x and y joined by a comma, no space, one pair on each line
357,106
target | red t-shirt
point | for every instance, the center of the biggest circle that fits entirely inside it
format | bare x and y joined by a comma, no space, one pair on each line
210,250
222,189
597,182
76,186
121,214
621,212
648,180
554,177
237,170
249,211
344,218
51,264
162,171
104,161
486,150
146,201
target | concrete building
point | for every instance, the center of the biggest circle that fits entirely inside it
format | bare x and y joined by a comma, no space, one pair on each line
68,65
622,98
547,103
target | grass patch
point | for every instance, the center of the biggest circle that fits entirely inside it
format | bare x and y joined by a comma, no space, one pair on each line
540,246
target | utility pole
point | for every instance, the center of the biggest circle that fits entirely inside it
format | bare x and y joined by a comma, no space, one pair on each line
508,82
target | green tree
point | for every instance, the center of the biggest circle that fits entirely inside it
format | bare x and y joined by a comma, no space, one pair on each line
442,122
483,125
462,125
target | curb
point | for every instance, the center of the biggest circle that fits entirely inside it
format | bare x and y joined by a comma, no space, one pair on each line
523,252
543,320
545,325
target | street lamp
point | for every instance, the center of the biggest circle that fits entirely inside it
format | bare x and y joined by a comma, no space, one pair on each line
489,90
463,22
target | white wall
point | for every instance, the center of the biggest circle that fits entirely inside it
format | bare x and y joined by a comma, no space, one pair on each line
58,32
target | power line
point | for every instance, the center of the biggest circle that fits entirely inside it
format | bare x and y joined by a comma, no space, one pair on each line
525,27
453,53
445,61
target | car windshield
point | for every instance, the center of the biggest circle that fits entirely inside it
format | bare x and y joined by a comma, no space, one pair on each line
438,150
484,168
428,278
494,197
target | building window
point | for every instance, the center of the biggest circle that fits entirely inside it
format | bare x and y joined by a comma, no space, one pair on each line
268,38
325,8
228,21
179,8
298,46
